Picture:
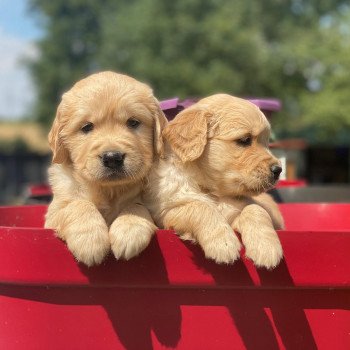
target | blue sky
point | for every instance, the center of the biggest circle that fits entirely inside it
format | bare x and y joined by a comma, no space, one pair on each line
18,31
17,20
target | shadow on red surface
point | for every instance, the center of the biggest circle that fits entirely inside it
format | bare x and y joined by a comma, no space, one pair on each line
171,296
265,318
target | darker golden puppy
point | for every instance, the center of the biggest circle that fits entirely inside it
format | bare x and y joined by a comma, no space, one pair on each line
104,139
213,179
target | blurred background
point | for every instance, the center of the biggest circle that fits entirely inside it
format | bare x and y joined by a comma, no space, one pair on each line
296,51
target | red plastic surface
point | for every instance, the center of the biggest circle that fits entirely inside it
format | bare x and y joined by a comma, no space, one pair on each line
316,216
23,216
171,296
297,216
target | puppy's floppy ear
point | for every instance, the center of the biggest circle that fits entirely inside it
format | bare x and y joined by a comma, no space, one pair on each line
60,154
160,122
187,134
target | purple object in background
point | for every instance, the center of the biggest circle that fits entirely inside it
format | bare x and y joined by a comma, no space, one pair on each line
188,102
173,106
169,104
267,104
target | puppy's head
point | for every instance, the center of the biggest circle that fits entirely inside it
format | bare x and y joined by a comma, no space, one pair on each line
226,138
108,128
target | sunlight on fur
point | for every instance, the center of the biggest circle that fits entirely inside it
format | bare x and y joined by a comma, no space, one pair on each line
104,139
213,179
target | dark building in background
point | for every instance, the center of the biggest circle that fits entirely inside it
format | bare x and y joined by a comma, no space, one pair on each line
325,165
18,171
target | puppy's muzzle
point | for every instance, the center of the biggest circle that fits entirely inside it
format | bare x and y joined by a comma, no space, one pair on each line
276,171
113,160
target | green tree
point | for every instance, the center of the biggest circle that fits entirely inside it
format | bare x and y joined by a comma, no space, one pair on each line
189,47
296,50
327,100
68,49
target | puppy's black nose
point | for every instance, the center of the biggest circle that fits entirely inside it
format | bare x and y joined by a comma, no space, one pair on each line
113,160
276,171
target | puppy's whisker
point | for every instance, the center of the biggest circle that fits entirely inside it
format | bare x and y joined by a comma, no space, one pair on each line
130,174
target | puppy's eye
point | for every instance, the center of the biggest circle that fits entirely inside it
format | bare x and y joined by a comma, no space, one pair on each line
245,141
87,128
133,123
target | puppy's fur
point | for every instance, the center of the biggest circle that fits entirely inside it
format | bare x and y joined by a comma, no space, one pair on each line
213,180
96,197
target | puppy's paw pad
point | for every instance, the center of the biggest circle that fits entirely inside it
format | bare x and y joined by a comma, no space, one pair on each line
224,250
89,248
265,252
127,244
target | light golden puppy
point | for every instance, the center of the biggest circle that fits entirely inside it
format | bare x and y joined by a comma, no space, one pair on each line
104,139
213,179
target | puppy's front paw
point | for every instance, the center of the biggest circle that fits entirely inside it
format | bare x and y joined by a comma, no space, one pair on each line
89,247
265,250
128,241
224,247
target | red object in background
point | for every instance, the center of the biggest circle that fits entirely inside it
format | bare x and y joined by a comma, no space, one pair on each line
292,183
39,190
171,296
39,193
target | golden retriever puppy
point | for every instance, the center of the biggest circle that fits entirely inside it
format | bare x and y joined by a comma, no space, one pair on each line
104,139
216,169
